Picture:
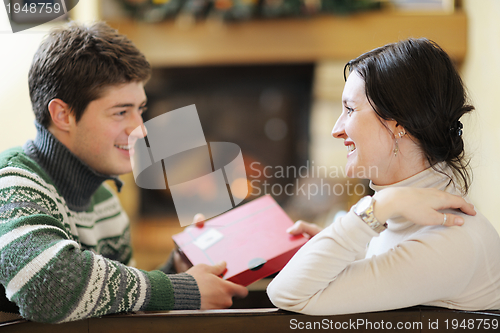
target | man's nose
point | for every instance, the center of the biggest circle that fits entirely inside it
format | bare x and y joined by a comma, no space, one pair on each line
136,127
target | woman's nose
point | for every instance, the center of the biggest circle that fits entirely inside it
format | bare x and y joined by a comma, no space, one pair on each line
338,131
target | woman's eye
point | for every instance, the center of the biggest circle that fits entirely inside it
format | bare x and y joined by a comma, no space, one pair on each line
349,110
121,113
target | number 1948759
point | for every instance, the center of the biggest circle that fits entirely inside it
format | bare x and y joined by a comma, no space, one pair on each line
34,8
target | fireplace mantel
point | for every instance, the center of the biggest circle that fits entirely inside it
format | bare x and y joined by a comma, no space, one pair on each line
291,40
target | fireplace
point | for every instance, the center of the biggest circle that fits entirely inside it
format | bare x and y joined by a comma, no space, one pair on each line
264,109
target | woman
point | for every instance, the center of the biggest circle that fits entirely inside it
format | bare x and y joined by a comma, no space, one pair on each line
419,240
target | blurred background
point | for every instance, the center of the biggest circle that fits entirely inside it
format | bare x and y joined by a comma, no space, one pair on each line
268,76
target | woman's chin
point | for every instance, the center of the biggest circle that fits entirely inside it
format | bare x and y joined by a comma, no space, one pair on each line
350,171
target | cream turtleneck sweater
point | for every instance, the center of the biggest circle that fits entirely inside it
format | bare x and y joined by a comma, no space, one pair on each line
407,264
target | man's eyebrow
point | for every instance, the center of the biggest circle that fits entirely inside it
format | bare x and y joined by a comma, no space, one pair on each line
127,105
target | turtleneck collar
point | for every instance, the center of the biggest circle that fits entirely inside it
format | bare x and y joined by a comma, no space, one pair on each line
74,180
428,178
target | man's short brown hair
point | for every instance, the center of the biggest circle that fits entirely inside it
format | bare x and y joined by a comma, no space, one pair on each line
76,63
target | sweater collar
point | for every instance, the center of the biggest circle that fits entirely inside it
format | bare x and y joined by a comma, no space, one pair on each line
74,180
437,177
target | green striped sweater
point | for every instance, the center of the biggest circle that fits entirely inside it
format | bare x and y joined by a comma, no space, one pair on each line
60,264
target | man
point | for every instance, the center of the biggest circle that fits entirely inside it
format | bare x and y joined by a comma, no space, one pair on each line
64,238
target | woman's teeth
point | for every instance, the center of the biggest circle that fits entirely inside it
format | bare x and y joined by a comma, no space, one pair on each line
123,147
351,148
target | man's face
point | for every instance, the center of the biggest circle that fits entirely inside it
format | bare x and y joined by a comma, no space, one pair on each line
101,137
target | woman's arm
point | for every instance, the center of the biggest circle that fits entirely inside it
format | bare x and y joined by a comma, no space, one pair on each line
420,205
324,278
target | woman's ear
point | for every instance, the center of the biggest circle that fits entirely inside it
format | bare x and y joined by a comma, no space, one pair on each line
400,131
395,128
60,114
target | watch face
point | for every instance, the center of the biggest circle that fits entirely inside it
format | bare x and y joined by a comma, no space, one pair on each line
363,204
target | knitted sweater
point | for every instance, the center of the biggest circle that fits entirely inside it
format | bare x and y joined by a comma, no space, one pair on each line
65,242
407,264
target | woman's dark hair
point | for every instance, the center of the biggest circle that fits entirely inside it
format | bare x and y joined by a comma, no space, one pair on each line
415,83
76,63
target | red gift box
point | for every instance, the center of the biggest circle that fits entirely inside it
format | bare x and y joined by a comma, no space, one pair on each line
251,239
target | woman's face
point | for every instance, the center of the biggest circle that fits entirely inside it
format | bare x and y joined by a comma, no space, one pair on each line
370,145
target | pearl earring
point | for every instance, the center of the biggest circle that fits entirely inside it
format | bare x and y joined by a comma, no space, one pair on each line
396,149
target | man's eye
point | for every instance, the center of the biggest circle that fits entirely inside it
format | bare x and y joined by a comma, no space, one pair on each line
143,109
121,113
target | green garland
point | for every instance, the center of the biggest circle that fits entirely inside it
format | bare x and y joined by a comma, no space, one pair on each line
239,10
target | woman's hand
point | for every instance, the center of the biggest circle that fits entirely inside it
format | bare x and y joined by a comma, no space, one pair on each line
304,228
420,205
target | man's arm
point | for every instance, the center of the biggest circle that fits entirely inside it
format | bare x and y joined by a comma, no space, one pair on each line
52,279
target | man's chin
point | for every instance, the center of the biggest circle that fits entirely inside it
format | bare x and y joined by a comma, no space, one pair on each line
123,171
116,171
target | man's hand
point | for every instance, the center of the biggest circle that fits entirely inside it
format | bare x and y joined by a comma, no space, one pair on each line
181,265
215,292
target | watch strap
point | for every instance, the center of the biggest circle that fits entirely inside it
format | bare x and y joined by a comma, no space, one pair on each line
369,218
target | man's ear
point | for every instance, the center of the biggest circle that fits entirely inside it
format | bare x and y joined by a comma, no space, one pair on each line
61,115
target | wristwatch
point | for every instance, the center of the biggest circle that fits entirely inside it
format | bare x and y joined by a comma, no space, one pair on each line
364,209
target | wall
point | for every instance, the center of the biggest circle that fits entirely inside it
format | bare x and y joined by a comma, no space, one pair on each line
16,118
17,50
481,72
